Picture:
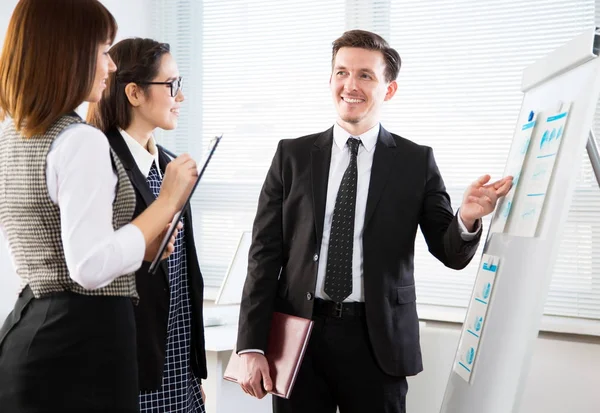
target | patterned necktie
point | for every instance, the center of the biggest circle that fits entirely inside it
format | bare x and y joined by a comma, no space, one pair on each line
154,180
338,274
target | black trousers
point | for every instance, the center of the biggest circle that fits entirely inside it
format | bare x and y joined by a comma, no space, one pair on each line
339,369
68,353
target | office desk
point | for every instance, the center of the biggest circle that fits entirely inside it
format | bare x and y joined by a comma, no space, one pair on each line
223,396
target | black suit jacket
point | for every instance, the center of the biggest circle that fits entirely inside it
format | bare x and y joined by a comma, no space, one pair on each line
405,191
152,312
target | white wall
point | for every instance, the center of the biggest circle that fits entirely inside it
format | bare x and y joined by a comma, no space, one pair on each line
564,374
133,18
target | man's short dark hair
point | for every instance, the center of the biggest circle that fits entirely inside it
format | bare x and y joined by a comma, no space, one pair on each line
370,41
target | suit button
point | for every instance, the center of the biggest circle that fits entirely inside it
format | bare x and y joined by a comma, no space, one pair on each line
309,296
316,257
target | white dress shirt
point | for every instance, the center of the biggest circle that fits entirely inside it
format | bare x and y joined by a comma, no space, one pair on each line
82,182
340,158
144,158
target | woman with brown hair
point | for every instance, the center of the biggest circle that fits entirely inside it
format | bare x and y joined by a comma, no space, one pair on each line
145,93
66,205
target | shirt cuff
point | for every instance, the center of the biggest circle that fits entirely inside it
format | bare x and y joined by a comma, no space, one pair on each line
464,232
251,350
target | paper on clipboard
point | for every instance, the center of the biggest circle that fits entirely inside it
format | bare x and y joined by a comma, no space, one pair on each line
514,166
176,218
473,327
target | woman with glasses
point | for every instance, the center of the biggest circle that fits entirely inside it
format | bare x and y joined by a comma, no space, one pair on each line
142,95
66,205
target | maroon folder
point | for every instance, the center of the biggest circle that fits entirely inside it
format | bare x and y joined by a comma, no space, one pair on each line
288,340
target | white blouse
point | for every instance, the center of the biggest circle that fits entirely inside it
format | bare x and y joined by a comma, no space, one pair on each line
82,182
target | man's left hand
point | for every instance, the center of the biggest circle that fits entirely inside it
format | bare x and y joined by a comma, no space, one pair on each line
481,197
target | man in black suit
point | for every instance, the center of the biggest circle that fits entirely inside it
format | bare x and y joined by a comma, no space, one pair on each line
333,240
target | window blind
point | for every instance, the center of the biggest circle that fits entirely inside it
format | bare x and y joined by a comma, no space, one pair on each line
258,72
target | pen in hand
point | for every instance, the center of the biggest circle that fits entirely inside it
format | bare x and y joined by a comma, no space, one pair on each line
168,152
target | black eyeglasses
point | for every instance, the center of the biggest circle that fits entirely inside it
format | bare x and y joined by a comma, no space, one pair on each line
175,84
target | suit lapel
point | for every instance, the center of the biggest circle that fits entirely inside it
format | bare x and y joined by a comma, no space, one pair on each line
320,160
163,159
383,159
135,176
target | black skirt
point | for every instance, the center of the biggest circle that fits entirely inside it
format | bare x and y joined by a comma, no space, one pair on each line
69,353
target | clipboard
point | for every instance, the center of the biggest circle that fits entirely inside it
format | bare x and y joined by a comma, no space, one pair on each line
163,245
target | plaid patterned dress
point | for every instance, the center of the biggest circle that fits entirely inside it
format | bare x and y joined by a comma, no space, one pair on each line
180,391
